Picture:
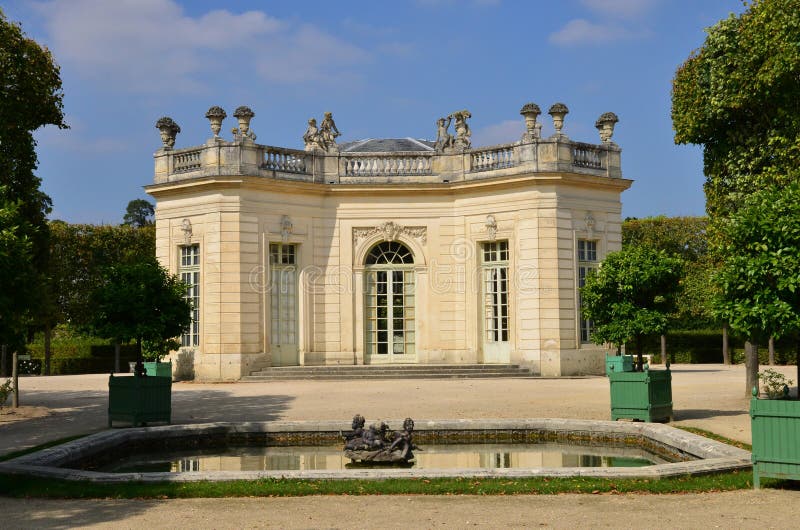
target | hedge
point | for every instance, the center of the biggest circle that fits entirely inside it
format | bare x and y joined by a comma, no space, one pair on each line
77,354
705,347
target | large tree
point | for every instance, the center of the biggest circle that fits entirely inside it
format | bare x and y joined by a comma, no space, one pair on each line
760,279
30,98
139,213
739,97
687,238
631,296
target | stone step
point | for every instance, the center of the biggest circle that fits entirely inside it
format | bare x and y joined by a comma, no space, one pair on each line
286,373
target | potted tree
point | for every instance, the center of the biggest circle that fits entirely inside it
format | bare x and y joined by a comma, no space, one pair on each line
144,303
759,295
629,298
775,427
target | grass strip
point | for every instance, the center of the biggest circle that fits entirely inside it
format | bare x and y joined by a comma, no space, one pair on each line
52,443
21,486
716,437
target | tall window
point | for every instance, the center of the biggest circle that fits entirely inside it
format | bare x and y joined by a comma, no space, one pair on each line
390,301
283,293
190,275
495,291
587,260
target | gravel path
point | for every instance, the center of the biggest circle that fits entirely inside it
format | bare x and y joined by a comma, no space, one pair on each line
711,397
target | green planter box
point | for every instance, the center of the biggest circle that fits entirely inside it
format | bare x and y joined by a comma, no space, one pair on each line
644,396
158,369
139,400
775,425
621,363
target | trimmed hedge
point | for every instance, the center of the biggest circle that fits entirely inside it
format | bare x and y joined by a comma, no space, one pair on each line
705,347
77,354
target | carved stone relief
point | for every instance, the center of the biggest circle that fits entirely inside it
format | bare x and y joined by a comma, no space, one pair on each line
286,228
491,227
390,232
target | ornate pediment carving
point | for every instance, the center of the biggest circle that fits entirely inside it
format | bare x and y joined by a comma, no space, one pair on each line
390,231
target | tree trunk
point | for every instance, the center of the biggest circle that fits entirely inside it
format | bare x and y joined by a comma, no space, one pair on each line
797,364
771,346
15,380
48,333
639,359
726,354
3,360
116,357
751,366
139,370
664,350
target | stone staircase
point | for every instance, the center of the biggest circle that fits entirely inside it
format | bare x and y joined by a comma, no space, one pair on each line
406,371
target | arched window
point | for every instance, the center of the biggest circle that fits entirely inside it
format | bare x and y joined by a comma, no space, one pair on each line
389,302
390,252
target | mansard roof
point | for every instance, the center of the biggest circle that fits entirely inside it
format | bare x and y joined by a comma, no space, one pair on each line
386,145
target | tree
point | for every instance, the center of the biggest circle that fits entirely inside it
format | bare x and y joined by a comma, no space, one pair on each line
17,268
759,282
687,238
631,296
30,98
142,302
739,97
139,213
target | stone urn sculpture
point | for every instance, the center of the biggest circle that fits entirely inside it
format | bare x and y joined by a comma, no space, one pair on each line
531,111
215,116
169,131
244,115
605,126
558,111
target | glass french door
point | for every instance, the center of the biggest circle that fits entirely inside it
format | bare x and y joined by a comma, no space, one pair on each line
495,292
389,304
283,305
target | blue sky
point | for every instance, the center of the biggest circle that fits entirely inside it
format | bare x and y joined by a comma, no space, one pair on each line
385,69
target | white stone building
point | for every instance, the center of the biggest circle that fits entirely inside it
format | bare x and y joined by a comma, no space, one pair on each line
388,251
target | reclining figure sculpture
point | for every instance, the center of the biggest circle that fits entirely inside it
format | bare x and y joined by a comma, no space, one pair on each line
377,443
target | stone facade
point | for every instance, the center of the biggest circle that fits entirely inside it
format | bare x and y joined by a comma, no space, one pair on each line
286,242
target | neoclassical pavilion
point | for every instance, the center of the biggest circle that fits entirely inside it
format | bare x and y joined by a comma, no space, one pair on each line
397,251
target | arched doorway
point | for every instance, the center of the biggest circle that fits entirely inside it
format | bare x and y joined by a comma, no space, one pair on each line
389,303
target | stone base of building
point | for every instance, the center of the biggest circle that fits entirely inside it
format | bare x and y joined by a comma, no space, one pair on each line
233,366
585,361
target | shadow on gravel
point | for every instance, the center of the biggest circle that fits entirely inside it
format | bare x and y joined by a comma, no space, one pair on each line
699,414
57,515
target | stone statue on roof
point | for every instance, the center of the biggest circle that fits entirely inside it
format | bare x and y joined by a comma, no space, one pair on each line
444,139
463,133
322,137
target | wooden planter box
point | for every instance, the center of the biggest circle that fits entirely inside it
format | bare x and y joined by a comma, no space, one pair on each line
139,400
775,425
643,396
158,369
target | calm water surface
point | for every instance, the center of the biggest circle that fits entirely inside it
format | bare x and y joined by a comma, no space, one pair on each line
486,456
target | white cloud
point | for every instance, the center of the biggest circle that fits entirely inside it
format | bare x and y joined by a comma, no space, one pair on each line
620,8
581,31
498,133
154,46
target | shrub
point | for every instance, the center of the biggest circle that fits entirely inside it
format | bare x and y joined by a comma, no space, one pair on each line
5,390
774,383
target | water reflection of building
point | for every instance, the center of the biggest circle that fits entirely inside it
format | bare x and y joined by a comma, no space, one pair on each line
387,251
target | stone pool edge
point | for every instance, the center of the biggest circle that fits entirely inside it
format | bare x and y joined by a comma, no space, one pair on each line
713,456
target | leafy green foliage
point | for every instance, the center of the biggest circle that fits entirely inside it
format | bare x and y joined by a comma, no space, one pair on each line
5,390
16,264
30,98
142,302
687,238
79,254
760,280
739,96
139,213
632,295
